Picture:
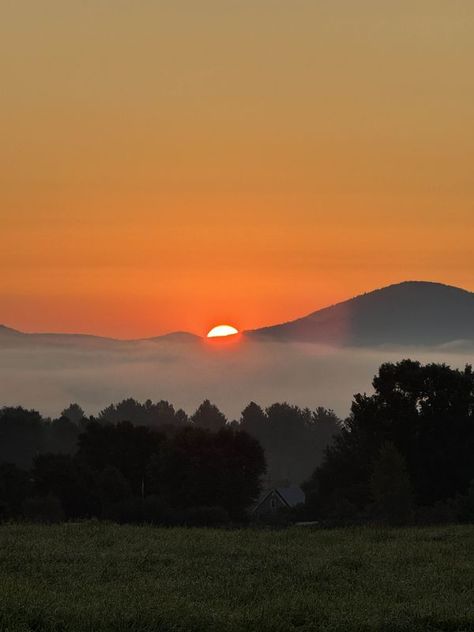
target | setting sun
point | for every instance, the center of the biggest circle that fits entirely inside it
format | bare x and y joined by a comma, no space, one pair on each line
222,331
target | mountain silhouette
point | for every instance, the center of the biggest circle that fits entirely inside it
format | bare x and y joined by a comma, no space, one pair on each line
175,336
408,313
13,338
8,332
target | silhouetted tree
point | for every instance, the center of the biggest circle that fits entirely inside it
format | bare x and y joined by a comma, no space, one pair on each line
127,410
14,489
390,486
112,486
61,436
74,413
199,468
126,447
208,416
325,424
293,438
255,421
160,415
427,412
242,465
71,482
22,436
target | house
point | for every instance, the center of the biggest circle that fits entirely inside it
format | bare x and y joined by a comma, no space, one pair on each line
277,498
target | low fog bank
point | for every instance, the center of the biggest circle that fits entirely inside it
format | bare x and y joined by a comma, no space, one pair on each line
49,378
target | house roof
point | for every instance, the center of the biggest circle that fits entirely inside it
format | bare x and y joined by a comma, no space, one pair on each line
292,495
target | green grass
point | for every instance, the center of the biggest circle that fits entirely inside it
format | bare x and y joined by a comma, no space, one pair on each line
98,577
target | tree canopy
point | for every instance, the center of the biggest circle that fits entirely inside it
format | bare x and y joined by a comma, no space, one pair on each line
427,413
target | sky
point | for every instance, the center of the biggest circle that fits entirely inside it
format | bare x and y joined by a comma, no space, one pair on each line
173,165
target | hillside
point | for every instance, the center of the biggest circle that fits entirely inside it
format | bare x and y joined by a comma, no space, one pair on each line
409,313
12,338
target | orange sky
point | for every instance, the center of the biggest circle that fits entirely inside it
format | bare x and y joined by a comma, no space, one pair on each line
172,165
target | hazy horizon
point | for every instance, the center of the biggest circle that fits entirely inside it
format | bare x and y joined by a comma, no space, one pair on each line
48,379
202,334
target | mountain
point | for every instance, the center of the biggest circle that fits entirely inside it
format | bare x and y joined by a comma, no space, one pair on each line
411,313
8,332
12,338
408,313
175,336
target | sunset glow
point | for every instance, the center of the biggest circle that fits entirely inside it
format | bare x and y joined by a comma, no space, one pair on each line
222,331
228,161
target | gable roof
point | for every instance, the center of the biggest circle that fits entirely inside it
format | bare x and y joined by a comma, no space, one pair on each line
292,495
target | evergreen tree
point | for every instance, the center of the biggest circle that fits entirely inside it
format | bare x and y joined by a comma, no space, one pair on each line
208,416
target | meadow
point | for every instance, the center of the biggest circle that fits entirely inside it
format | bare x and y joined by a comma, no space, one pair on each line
101,577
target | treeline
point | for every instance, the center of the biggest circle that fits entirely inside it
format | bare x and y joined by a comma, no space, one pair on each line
293,439
405,454
129,473
149,462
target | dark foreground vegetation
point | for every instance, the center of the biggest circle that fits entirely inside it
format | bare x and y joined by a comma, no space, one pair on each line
294,439
405,451
130,473
109,578
403,456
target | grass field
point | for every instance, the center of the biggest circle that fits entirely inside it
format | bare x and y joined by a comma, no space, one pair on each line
96,577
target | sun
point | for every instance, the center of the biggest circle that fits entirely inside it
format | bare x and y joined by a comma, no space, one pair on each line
222,331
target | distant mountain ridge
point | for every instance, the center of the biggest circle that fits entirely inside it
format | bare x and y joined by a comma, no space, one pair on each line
408,313
13,338
419,313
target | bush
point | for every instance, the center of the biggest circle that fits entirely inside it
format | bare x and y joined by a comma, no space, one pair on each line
43,509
